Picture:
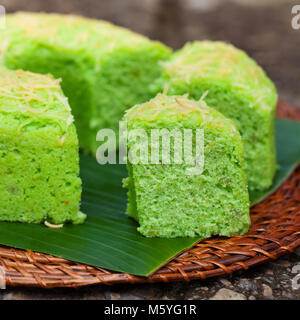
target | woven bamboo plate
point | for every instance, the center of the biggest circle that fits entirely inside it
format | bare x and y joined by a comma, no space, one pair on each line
275,230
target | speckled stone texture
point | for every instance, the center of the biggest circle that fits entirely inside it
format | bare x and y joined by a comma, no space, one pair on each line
260,27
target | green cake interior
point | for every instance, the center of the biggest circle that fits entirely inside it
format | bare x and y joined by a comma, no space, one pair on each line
165,200
39,162
236,86
105,69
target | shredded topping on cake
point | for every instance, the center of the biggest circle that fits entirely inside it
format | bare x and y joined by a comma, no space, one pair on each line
215,60
163,106
36,96
72,31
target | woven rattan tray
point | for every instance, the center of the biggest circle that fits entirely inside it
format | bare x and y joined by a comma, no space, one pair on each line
275,230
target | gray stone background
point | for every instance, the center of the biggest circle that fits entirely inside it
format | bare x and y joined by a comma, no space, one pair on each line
260,27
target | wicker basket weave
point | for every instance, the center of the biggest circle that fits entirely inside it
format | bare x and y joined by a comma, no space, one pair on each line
275,230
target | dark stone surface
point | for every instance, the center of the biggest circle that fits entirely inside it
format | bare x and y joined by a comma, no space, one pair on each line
263,29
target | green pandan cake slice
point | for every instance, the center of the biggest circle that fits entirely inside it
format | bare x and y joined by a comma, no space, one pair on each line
166,199
39,161
237,87
105,69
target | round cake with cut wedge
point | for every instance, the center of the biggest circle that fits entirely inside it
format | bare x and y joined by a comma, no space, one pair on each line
105,70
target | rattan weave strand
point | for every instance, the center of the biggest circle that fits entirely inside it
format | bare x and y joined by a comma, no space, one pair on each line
275,230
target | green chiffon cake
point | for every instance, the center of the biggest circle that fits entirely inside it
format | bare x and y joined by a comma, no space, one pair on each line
168,202
236,86
105,69
39,161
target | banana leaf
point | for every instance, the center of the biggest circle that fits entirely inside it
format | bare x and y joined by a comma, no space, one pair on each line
108,238
288,156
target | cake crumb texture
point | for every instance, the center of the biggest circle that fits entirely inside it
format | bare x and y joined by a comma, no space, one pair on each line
169,203
39,161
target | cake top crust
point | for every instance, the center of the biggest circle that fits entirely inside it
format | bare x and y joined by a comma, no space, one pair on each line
220,61
164,108
71,32
38,97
